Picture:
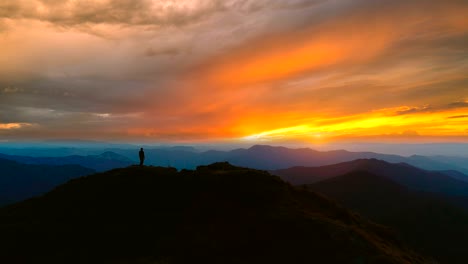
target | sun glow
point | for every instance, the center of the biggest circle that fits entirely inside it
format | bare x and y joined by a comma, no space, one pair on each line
379,123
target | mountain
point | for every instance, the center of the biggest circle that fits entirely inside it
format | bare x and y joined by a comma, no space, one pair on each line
21,181
456,175
262,157
259,157
214,214
438,163
268,157
430,224
401,173
105,161
273,158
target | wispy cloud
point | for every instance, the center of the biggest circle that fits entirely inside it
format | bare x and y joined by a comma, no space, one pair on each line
11,126
457,116
429,108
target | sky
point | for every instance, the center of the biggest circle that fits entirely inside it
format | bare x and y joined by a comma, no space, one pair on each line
234,70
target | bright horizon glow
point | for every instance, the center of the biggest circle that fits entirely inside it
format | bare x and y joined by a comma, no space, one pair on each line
383,123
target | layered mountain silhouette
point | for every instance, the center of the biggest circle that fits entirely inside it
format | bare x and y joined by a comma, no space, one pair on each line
214,214
20,181
401,173
456,175
105,161
429,223
259,156
272,158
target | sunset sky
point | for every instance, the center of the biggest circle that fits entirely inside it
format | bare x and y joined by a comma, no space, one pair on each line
234,70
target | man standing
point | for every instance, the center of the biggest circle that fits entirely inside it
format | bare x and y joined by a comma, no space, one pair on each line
142,156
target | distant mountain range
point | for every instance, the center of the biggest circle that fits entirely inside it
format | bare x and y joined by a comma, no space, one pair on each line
259,156
272,158
215,214
105,161
21,181
428,222
441,182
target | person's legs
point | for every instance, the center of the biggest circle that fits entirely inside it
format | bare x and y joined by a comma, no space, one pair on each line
141,162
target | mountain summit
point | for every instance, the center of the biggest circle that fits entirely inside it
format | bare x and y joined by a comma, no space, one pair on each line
214,214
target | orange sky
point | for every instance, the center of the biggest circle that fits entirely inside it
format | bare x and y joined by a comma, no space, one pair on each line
246,71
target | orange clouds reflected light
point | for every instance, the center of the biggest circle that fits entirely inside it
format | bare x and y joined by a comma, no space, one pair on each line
273,58
7,126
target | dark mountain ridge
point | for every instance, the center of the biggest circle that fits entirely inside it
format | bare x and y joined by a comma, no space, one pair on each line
215,214
273,158
430,224
401,173
21,181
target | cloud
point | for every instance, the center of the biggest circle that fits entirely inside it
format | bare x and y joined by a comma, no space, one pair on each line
124,12
460,104
11,126
9,90
458,116
229,69
259,5
170,51
430,109
137,12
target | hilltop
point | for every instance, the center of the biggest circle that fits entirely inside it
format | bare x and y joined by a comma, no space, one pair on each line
214,214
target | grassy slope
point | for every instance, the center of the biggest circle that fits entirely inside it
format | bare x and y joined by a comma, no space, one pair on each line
428,223
216,214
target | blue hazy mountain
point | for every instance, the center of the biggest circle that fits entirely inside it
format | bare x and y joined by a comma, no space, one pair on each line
258,156
270,158
102,162
21,181
404,174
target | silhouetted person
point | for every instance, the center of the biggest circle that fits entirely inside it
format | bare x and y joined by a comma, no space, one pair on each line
142,156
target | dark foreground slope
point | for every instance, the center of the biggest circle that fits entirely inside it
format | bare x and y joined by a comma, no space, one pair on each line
21,181
216,214
428,223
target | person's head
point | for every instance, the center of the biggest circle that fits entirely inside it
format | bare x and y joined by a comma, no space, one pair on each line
141,149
